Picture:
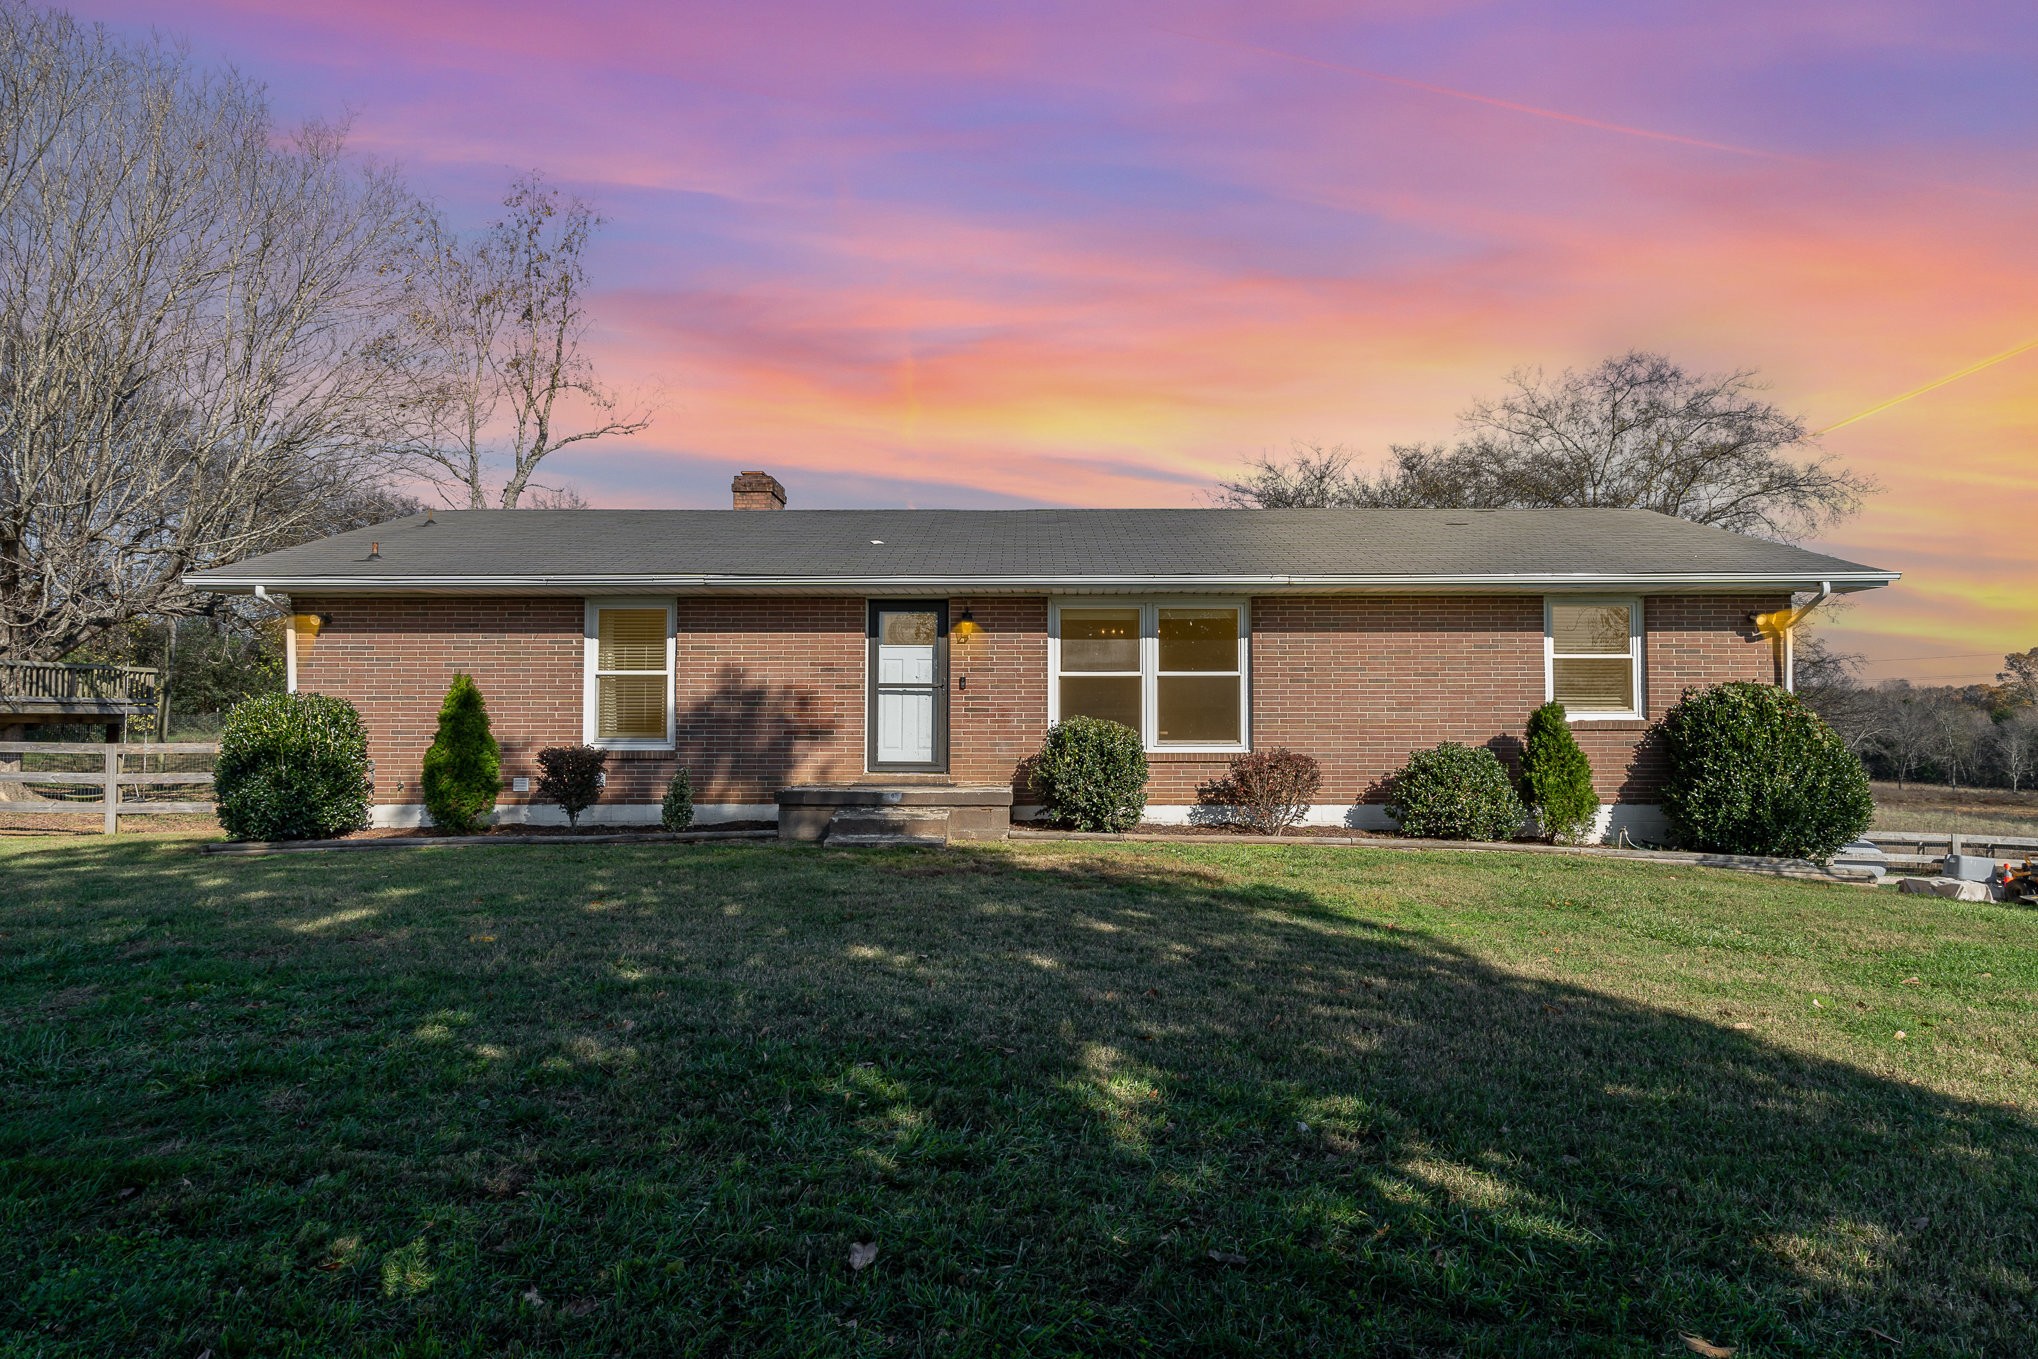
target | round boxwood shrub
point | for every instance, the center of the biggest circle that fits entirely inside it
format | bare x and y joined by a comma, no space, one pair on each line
463,768
1091,774
1455,792
676,812
1556,778
292,767
1752,770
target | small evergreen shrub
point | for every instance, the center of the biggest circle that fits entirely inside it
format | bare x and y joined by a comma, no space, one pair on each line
292,767
1752,770
1091,774
570,778
676,812
1556,778
463,768
1455,792
1268,790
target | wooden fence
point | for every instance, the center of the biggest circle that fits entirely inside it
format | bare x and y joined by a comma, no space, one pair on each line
112,776
1922,848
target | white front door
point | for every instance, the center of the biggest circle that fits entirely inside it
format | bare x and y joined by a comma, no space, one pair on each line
906,686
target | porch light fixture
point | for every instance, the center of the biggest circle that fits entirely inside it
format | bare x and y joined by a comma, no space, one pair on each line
966,626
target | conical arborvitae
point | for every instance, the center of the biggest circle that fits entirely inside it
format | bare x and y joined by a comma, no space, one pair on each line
1556,778
463,768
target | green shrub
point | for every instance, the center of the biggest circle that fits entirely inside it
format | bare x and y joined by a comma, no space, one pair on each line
570,778
1752,770
1556,778
292,767
1456,793
676,812
463,768
1091,774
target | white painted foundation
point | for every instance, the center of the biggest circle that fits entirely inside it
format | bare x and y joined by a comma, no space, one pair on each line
406,815
1644,822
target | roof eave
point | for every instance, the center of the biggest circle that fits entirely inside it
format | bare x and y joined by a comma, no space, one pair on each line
1840,582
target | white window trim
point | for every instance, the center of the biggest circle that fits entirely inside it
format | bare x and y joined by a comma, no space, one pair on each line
1149,666
1633,604
590,689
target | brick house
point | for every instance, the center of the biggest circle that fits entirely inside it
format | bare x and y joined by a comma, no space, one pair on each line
919,656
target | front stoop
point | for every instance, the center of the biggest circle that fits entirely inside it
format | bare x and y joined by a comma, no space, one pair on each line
887,826
835,811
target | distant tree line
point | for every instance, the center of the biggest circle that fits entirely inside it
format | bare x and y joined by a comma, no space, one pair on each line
1973,735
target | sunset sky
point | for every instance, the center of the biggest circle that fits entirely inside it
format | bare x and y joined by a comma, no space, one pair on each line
1001,254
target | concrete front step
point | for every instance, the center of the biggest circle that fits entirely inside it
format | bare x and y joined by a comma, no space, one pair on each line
888,826
973,811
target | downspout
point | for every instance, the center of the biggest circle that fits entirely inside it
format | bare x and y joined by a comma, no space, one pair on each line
1798,616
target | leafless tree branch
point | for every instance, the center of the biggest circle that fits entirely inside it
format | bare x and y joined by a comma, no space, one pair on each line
193,317
1635,432
499,366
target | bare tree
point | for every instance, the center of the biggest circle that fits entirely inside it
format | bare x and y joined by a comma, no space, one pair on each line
2015,742
1635,432
1959,740
1828,681
500,368
193,328
565,497
1311,477
1910,727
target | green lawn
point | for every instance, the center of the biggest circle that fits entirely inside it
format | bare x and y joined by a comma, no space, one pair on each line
1124,1100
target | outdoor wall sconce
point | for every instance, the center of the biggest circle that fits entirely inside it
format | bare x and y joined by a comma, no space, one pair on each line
966,626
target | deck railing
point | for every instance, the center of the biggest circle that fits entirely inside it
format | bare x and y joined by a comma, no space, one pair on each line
106,769
138,686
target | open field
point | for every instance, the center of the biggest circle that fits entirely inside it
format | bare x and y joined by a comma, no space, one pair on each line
1934,807
1150,1099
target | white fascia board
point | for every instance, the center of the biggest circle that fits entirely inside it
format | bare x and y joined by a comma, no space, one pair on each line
1841,582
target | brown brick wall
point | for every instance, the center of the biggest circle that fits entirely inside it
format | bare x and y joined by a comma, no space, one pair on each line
770,691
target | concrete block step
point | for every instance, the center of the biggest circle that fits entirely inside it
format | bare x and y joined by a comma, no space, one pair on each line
888,826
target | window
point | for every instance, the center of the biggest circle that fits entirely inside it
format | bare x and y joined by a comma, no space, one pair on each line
627,703
1593,650
1175,672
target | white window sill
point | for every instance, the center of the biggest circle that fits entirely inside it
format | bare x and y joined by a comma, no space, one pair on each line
633,745
1576,717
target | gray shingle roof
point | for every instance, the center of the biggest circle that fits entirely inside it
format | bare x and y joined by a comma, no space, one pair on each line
579,550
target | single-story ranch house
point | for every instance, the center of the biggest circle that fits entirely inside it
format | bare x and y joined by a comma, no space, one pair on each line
919,656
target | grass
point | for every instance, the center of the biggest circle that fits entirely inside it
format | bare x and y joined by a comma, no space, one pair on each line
1972,811
1148,1099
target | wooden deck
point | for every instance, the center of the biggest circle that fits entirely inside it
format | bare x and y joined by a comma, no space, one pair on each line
34,693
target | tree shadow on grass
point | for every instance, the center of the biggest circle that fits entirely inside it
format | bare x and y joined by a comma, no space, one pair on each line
1087,1103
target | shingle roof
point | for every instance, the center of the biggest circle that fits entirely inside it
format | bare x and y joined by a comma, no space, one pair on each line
579,550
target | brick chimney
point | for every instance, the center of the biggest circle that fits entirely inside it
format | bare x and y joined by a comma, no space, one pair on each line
758,491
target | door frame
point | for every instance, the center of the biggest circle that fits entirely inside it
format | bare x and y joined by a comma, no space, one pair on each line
939,608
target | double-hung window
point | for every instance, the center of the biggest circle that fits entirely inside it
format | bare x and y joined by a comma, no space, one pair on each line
1174,672
1593,656
627,700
